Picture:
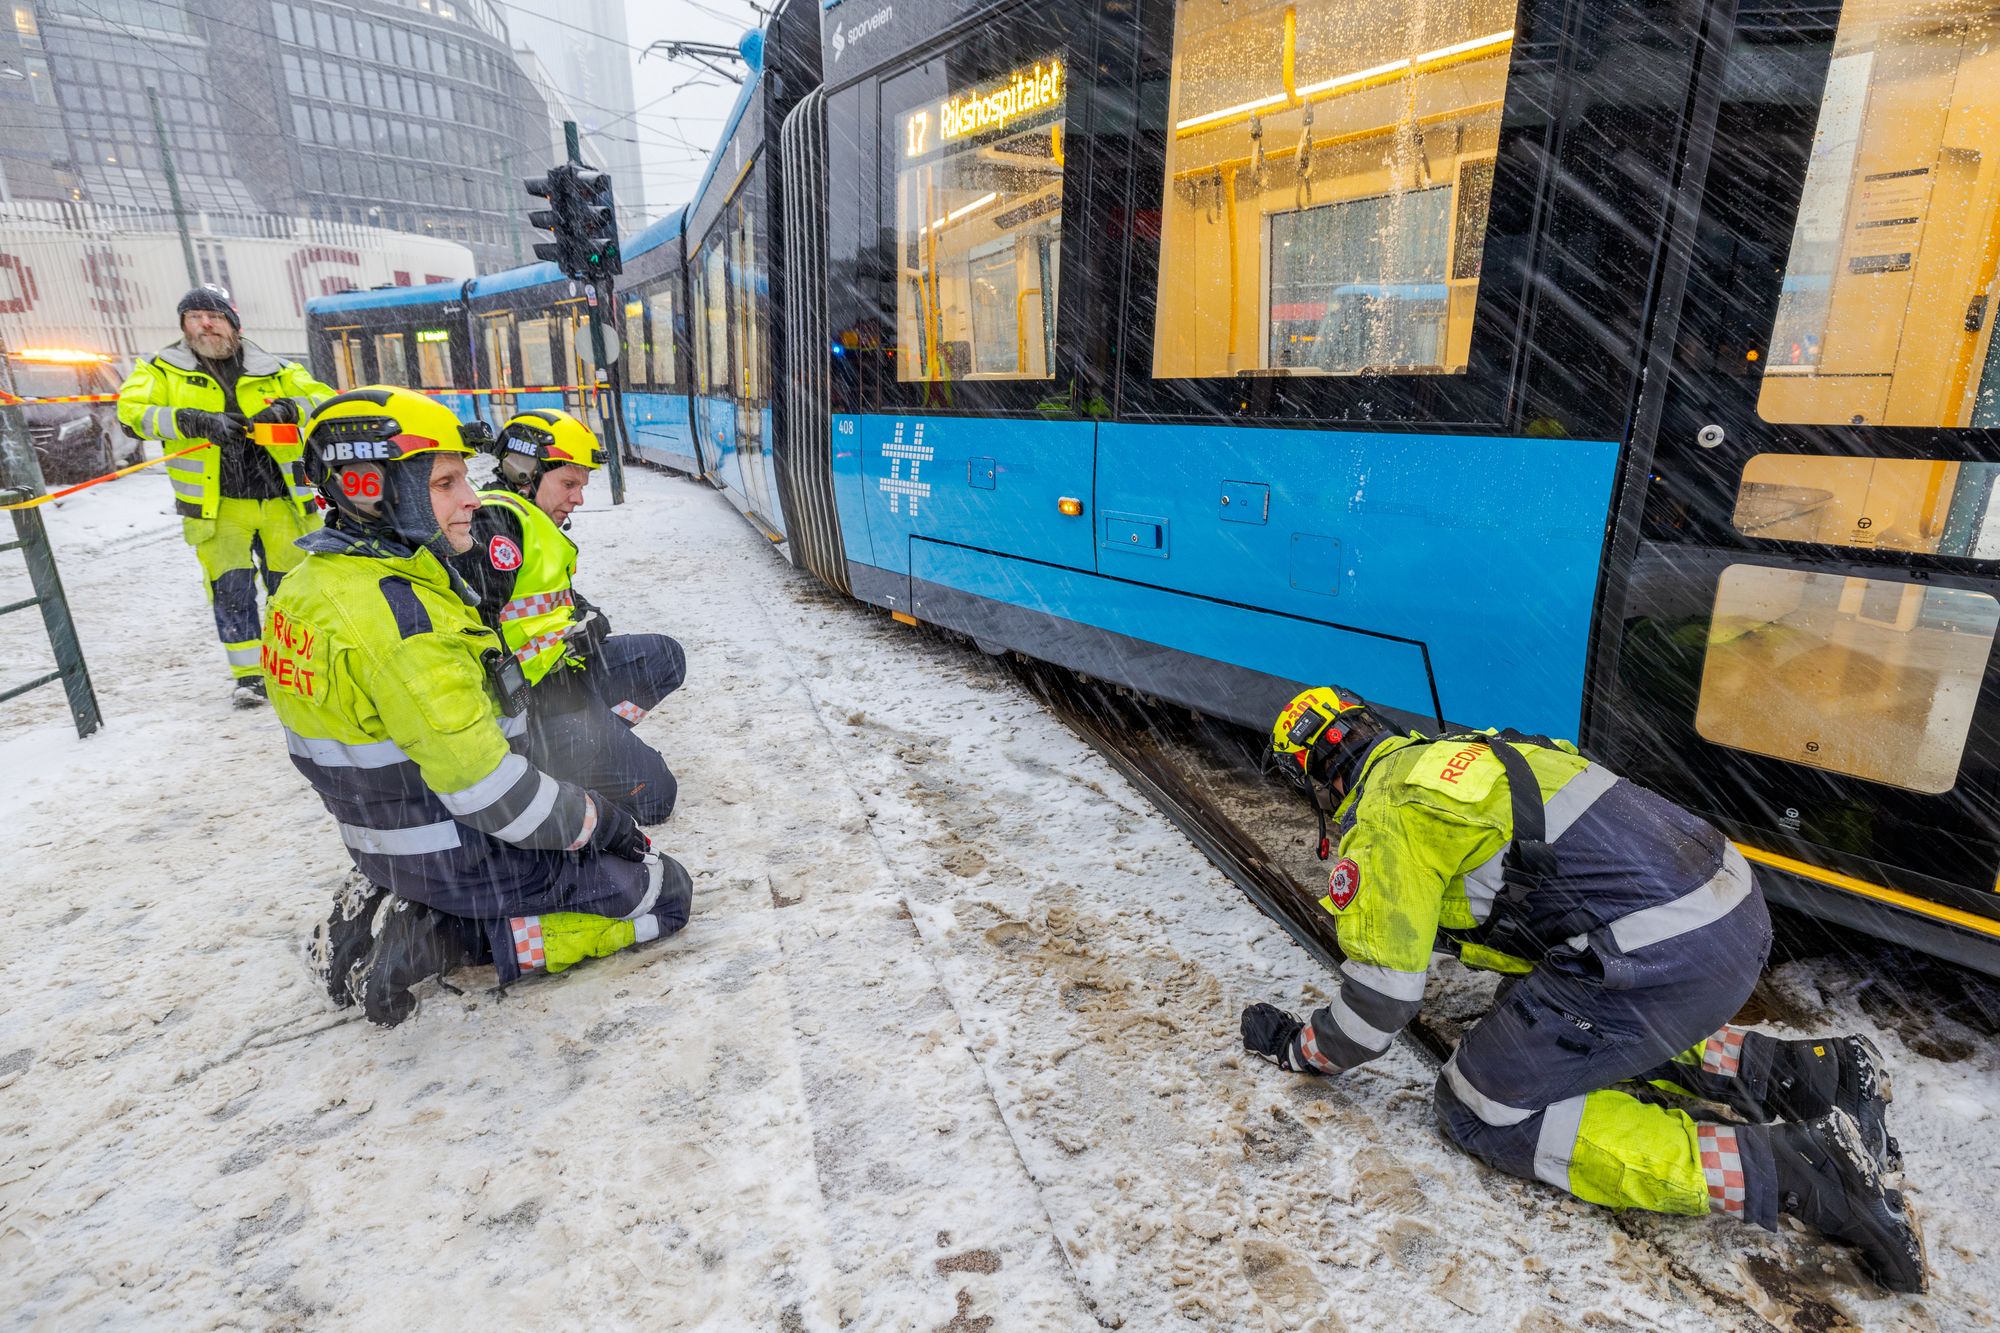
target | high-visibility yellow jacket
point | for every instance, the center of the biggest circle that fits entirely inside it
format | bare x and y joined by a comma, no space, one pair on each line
524,568
174,379
374,667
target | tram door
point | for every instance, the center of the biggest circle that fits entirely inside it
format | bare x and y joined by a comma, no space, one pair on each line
1805,649
349,369
496,338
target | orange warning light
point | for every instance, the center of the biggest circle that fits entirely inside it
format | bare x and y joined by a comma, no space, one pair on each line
59,356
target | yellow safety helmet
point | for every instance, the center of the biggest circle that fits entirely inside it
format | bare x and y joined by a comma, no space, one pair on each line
1324,728
540,439
369,452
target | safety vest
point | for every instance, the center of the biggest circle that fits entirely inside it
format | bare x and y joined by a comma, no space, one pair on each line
533,620
175,379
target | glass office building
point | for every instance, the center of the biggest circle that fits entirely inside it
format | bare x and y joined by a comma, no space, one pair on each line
408,114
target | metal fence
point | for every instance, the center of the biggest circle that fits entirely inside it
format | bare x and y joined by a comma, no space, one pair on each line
21,479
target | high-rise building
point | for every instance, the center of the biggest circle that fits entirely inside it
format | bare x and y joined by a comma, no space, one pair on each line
583,46
408,114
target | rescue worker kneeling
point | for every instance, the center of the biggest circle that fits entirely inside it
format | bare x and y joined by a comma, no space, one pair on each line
1635,931
397,706
591,687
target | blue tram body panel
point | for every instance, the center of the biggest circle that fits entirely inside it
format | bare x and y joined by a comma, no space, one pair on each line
1374,559
1484,549
992,484
661,428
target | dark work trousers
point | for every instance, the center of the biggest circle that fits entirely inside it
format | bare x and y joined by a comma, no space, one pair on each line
581,730
1518,1091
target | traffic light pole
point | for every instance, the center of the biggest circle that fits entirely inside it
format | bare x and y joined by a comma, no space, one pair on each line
598,366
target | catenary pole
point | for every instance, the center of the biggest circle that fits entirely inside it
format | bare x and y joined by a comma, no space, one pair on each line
173,187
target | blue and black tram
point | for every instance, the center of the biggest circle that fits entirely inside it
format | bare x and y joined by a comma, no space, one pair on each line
1622,370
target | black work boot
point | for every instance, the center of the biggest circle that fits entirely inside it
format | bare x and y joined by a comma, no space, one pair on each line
1809,1078
676,901
413,943
1827,1179
343,939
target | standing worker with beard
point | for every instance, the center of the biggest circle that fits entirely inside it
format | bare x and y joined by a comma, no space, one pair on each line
242,503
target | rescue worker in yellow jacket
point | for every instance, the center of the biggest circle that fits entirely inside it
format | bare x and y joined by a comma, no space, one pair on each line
591,687
1634,932
398,705
243,503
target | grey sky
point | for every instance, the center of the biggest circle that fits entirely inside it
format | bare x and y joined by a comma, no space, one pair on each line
692,116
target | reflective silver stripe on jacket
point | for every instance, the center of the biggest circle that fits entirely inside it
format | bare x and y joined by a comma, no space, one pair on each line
418,841
1406,986
1357,1029
1700,907
483,793
336,754
514,726
157,423
1560,811
187,490
538,810
250,656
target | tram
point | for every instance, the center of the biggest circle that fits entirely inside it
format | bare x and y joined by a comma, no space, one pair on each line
1619,370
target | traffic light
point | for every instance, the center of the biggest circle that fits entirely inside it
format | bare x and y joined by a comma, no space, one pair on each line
597,225
559,218
582,219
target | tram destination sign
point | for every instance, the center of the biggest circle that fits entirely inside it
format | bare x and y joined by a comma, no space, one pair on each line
1017,98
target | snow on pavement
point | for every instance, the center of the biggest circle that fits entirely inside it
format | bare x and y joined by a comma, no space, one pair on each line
950,1039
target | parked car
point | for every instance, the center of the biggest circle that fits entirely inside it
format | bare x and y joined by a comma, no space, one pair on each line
73,441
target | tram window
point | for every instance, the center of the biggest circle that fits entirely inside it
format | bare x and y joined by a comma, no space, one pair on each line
745,289
1870,677
390,367
499,356
638,345
347,364
663,341
434,358
716,317
979,184
1887,504
1328,178
1886,314
538,362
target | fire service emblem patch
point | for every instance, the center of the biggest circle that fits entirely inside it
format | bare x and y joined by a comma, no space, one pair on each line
1344,884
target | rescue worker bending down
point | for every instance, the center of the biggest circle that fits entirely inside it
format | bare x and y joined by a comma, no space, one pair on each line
591,687
1636,932
391,693
242,504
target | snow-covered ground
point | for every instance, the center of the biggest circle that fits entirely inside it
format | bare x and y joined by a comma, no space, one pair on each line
950,1043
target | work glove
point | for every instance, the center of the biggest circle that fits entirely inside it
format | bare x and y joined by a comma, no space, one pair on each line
215,427
588,632
278,412
617,833
1270,1032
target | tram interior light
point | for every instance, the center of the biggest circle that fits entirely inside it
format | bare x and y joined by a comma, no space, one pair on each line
1354,81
